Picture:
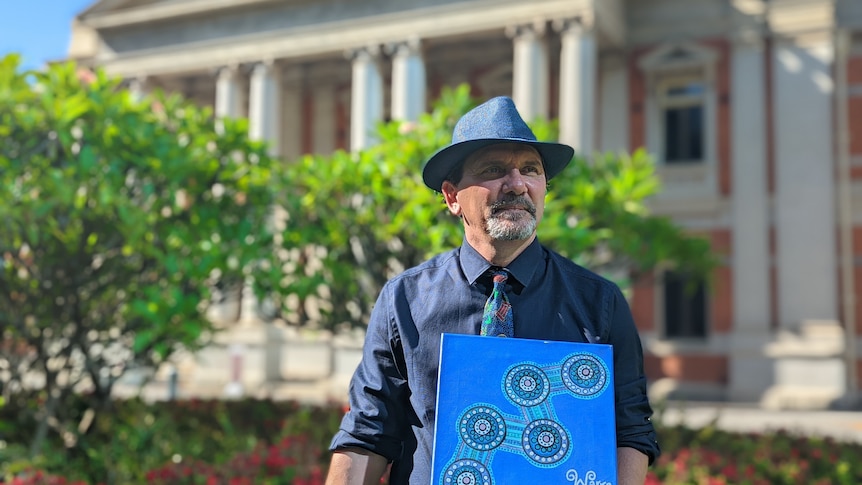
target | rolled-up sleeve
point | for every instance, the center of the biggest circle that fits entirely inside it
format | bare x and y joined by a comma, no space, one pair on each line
378,393
633,411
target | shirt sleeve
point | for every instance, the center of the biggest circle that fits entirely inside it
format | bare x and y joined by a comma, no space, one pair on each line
633,411
378,393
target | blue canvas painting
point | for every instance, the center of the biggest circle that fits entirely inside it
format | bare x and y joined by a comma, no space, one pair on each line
524,411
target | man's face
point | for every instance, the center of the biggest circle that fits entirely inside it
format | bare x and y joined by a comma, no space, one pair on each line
501,194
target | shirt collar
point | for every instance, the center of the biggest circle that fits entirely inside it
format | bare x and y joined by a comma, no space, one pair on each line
522,268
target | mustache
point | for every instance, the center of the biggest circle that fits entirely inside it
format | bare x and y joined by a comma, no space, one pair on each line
514,202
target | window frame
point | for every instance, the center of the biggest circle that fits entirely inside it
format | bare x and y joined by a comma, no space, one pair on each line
667,101
665,68
704,325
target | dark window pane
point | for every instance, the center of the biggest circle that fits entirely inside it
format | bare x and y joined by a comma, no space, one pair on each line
683,134
672,129
694,132
685,307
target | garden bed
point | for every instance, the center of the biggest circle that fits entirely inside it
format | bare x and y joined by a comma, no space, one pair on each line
266,442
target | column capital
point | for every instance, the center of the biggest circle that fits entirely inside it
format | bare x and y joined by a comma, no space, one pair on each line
749,24
226,71
270,62
368,52
264,66
410,46
579,24
536,28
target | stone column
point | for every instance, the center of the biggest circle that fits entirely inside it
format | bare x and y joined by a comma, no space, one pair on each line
530,76
750,370
264,115
408,80
804,183
228,102
577,84
809,363
366,103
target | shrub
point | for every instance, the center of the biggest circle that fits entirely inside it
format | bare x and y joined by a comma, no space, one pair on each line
715,457
214,442
136,442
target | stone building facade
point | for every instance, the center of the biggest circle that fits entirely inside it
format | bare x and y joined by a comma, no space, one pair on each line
752,109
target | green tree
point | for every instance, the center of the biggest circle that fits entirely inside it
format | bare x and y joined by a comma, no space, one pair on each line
122,218
364,217
119,219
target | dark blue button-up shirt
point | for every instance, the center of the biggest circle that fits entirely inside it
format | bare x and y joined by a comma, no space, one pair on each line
393,392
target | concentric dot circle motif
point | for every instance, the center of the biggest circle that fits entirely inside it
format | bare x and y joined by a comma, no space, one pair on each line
466,472
482,428
545,442
585,375
527,385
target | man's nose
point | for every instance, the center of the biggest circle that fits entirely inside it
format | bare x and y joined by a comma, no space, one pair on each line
514,182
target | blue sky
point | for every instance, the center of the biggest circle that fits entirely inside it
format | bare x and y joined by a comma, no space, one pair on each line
37,29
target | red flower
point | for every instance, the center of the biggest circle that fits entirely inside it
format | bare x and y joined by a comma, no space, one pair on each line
730,472
652,479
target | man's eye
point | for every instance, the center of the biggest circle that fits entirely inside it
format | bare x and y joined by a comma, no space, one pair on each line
530,169
493,170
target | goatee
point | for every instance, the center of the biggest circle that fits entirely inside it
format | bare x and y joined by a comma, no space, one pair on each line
512,219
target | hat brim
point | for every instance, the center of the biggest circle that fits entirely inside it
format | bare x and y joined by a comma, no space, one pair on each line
555,157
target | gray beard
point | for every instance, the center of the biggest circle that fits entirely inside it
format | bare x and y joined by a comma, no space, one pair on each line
503,228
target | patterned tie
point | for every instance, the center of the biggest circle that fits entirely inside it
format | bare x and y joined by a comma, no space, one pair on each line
497,319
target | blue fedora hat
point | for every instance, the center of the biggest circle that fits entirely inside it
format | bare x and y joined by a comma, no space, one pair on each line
494,121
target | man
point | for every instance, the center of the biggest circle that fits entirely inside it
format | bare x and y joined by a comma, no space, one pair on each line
493,176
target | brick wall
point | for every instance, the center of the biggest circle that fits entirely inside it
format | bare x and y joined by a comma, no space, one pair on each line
700,367
854,80
707,369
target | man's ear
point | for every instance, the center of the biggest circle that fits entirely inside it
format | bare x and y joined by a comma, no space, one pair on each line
450,196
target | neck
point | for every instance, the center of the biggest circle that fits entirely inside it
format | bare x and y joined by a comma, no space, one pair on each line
500,253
